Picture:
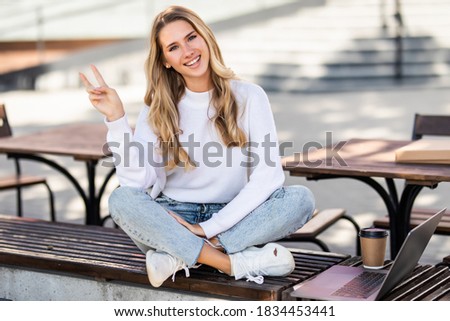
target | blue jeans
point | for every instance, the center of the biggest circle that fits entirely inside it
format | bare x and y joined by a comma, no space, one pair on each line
148,224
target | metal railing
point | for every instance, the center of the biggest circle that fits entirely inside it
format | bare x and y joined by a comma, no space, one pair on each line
398,32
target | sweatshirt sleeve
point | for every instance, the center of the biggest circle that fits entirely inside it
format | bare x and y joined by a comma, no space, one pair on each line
266,171
133,153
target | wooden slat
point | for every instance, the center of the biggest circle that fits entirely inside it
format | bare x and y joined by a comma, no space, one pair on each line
109,254
418,216
87,144
425,283
68,253
94,233
317,224
431,125
120,238
439,290
419,287
19,181
446,260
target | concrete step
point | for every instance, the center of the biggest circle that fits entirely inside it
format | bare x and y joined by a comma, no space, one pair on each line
345,57
327,45
342,46
286,71
343,85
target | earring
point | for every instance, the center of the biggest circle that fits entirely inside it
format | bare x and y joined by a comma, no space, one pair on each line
167,66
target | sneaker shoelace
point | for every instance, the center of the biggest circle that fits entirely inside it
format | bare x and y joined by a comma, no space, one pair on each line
182,266
186,271
258,279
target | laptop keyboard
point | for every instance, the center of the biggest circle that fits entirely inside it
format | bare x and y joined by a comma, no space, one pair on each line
362,286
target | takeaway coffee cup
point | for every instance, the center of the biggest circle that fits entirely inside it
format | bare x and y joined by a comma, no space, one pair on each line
373,247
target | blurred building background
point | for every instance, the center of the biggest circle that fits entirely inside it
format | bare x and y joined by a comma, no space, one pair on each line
294,46
355,68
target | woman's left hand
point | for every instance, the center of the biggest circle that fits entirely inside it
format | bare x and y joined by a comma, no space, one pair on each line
194,228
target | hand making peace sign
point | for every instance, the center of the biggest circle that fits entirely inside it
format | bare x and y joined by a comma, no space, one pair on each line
103,98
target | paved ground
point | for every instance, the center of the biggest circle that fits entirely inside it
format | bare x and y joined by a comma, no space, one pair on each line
300,118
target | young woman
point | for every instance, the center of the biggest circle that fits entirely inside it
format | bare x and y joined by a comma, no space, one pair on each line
206,143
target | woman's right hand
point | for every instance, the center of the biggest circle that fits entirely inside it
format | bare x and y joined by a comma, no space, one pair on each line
103,98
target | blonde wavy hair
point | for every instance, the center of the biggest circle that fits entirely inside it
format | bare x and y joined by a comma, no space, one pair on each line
165,88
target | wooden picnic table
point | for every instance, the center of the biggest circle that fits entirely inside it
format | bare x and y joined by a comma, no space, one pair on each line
368,159
84,142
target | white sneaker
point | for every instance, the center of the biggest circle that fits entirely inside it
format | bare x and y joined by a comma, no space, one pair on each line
255,263
160,266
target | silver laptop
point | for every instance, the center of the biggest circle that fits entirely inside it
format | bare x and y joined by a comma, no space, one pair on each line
357,283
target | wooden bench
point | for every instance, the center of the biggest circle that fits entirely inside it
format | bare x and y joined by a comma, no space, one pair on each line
319,222
107,254
417,217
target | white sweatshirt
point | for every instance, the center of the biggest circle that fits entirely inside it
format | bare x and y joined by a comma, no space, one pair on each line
221,175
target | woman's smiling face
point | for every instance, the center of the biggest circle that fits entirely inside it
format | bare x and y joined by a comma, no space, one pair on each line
186,52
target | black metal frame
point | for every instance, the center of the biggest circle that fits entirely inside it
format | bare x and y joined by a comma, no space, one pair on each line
324,247
6,131
90,198
19,194
399,210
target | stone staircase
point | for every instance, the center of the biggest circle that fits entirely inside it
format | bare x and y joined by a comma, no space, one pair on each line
300,46
342,45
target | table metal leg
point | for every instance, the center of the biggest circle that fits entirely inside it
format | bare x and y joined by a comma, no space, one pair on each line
392,209
93,216
102,189
93,210
57,167
90,199
409,195
399,211
392,191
